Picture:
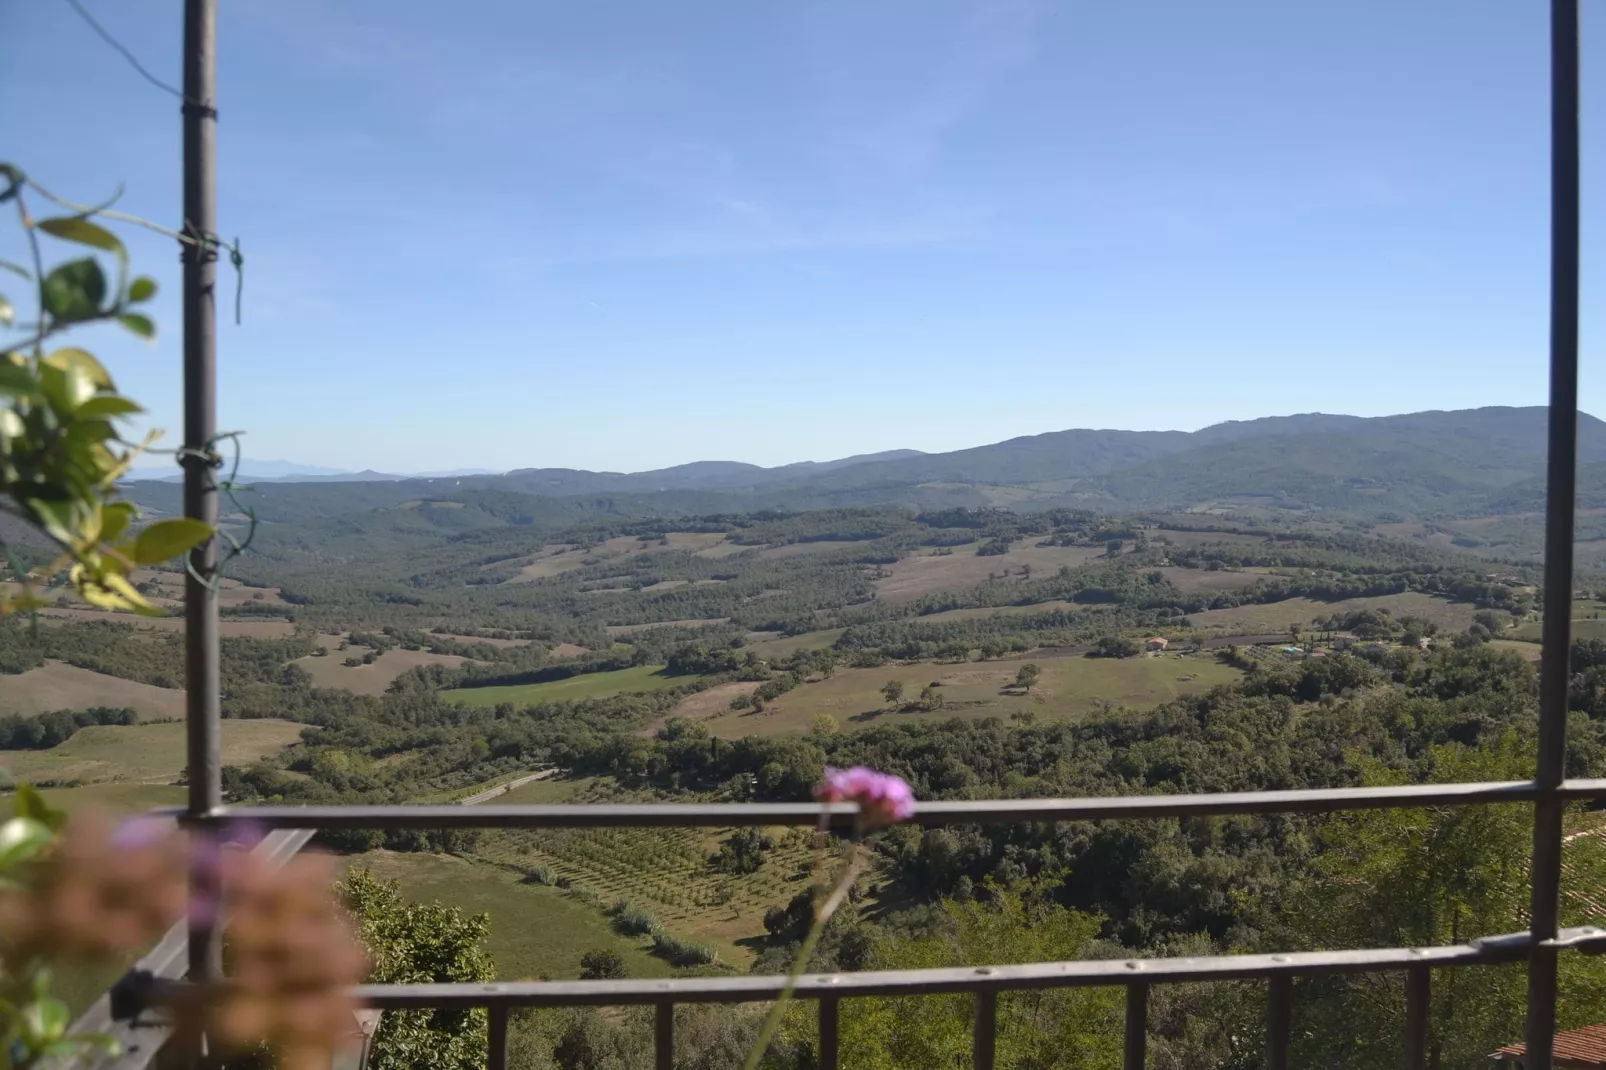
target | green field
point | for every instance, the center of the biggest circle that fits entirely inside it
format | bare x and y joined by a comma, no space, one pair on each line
536,931
1277,616
1589,622
791,644
1069,687
148,752
589,685
1528,650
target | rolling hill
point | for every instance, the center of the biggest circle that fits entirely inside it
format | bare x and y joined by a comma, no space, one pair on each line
1464,462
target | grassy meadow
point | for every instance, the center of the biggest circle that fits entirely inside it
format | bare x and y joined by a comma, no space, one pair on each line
1069,687
145,752
536,932
589,685
56,685
1277,616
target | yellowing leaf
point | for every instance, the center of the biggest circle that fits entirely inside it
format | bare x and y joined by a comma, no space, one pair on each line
82,231
119,583
68,356
100,597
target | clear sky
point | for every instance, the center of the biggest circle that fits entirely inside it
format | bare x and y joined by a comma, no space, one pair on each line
623,235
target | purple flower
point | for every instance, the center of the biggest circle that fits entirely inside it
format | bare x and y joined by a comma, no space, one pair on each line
138,833
883,799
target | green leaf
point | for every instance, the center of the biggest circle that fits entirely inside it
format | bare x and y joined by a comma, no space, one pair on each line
15,269
54,517
21,839
8,313
18,382
47,1019
67,384
114,520
80,230
139,323
74,291
142,289
166,539
29,803
108,406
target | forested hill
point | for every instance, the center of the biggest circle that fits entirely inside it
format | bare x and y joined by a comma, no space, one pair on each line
1467,462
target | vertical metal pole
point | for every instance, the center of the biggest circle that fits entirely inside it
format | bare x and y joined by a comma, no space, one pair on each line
1418,989
1279,1011
664,1037
828,1034
984,1035
496,1056
200,426
1561,486
1137,1026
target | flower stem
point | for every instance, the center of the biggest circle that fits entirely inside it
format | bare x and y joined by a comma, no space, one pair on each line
804,953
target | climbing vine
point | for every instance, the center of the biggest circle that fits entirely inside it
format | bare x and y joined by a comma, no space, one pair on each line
61,449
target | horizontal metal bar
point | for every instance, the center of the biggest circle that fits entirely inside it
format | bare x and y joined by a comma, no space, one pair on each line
743,989
841,816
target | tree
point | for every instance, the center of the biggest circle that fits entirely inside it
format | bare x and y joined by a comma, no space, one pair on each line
823,724
1113,548
893,691
1440,875
1027,676
931,698
1113,646
412,943
602,964
1048,1029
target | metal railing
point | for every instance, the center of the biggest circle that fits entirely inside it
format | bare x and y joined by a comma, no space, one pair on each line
1548,792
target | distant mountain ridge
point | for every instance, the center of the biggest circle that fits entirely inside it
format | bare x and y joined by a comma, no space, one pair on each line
1435,462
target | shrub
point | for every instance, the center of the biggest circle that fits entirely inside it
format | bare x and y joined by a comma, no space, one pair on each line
682,952
602,965
540,873
633,920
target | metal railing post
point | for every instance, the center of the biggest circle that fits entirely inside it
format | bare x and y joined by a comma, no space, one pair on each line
1561,486
201,678
984,1035
1135,1051
496,1039
1418,990
1279,1012
828,1034
664,1037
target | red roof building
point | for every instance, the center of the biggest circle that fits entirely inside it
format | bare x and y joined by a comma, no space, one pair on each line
1576,1049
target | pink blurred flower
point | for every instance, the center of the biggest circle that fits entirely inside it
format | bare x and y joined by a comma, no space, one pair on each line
883,799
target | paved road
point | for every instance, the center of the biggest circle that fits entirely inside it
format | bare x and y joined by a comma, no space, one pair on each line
503,789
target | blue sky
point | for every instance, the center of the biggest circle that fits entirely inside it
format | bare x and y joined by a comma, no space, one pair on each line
626,235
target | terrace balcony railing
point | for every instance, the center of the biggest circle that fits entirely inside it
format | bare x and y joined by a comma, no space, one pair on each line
193,954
